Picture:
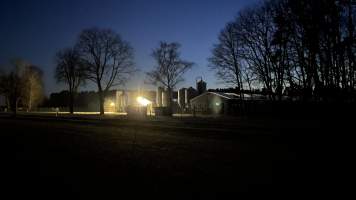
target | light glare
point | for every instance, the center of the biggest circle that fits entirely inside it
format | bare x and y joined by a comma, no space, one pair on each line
143,101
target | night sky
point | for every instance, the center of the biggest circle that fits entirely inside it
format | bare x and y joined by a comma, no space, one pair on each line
35,29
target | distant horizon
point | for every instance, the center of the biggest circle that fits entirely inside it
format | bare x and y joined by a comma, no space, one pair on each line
36,30
147,89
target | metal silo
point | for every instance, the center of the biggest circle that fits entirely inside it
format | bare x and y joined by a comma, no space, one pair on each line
189,94
182,97
165,98
159,96
201,86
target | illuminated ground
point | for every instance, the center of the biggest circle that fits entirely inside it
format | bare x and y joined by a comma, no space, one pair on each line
168,158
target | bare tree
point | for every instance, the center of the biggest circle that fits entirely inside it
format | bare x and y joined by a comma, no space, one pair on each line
256,32
3,84
108,59
11,85
169,68
71,71
22,84
307,46
2,81
32,90
225,59
248,76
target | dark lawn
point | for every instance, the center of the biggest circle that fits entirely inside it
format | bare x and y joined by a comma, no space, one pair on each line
167,158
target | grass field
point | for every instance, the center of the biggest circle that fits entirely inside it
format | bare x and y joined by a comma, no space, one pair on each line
166,158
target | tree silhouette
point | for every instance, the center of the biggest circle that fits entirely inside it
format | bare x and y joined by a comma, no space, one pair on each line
307,46
70,70
108,59
32,92
226,56
23,83
169,68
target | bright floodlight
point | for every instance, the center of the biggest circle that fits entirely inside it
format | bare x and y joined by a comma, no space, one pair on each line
143,101
112,104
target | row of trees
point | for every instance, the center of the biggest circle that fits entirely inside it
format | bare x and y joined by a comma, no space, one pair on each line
306,46
101,56
169,69
22,85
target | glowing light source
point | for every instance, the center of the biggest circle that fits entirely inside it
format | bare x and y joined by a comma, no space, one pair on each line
143,101
112,104
217,104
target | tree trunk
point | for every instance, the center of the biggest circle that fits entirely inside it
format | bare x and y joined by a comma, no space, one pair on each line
8,104
101,101
71,102
170,101
30,101
13,106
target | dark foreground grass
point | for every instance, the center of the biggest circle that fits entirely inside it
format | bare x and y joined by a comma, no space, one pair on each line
123,158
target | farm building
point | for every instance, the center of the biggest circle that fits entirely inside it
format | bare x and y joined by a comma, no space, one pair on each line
214,102
220,103
119,100
184,97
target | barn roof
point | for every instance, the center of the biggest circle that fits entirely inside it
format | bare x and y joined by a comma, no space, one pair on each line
221,94
226,95
233,96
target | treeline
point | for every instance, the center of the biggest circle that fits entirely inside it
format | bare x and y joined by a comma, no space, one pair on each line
237,90
83,99
305,47
22,85
102,57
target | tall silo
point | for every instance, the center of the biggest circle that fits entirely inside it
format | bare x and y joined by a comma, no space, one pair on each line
119,101
165,98
201,86
189,94
182,97
159,96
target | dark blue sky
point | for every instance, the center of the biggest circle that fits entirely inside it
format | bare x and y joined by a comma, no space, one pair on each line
35,29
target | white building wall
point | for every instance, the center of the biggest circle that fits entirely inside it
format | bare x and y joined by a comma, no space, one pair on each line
209,103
